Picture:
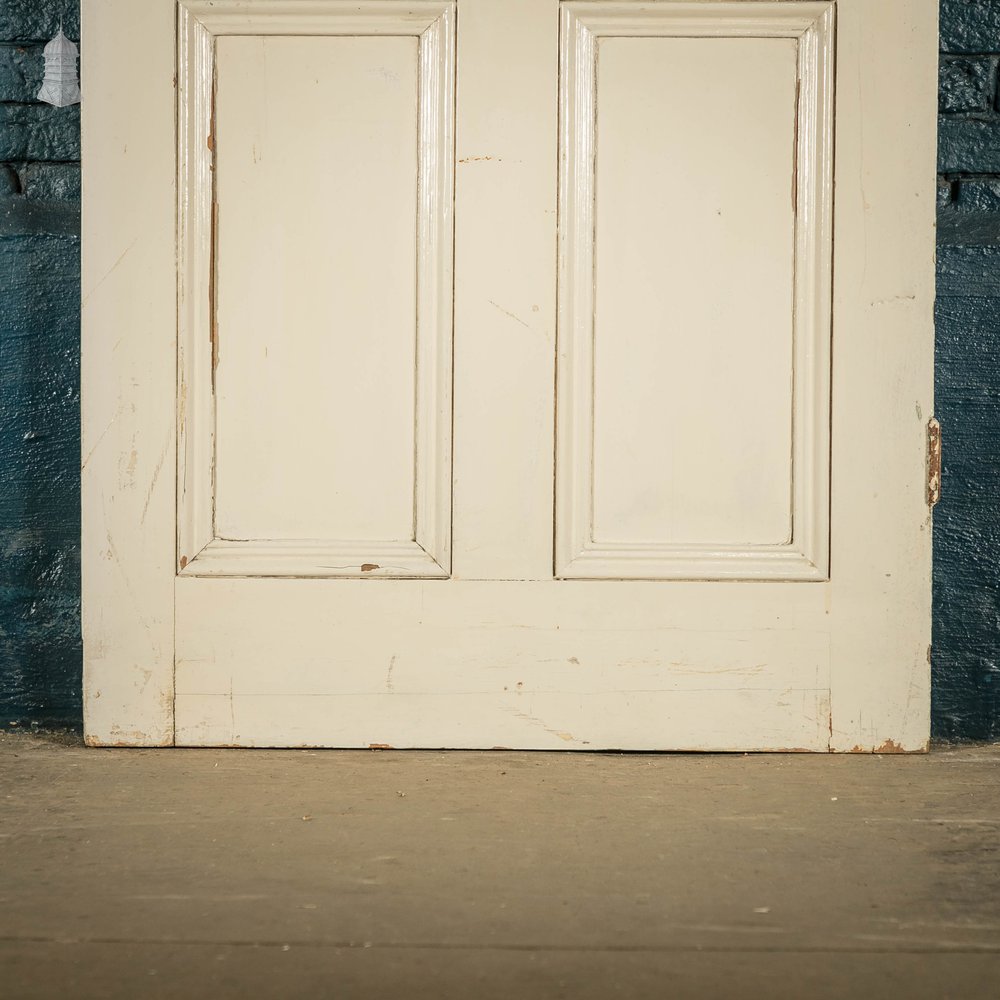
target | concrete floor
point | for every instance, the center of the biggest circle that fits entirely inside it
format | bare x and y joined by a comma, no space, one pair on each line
231,873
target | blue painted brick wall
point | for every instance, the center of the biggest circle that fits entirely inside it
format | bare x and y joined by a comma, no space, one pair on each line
40,652
39,380
966,650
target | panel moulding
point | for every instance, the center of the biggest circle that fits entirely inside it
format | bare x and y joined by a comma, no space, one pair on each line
578,555
199,549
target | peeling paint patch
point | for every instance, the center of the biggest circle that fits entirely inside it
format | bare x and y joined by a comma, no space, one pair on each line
889,746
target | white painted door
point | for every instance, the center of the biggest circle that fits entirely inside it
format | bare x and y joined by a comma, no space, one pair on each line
534,373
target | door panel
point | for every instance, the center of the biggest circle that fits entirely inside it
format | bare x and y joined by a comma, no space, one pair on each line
579,665
695,254
626,499
701,453
316,289
316,330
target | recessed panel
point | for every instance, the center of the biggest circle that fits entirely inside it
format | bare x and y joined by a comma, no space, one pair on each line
694,258
695,236
316,186
315,180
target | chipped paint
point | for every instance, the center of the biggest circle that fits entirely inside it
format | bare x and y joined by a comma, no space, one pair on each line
889,746
795,147
213,326
933,462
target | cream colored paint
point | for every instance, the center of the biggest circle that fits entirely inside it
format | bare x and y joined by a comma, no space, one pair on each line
341,312
746,641
316,285
128,384
744,358
694,249
505,265
580,665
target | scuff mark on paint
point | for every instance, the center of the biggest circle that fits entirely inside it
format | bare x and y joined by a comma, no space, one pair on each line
507,312
152,483
107,274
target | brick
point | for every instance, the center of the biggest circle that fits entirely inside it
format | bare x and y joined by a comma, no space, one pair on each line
21,217
978,194
957,229
34,20
968,145
39,132
968,356
10,183
21,71
968,272
970,26
966,83
40,199
51,181
945,195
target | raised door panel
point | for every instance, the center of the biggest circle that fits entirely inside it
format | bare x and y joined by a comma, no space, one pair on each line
316,290
316,178
694,323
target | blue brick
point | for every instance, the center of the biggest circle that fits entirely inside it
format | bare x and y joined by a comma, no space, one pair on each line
967,84
51,182
970,26
27,20
10,183
968,145
969,271
21,71
978,194
39,132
